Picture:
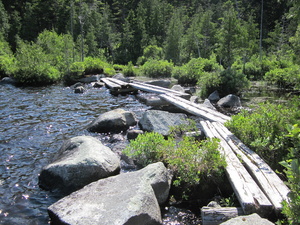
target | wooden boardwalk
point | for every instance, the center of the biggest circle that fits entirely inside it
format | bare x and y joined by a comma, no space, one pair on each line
256,185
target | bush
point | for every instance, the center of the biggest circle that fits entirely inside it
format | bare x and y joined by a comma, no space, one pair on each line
189,159
130,70
157,68
33,67
150,52
291,209
7,59
264,129
193,71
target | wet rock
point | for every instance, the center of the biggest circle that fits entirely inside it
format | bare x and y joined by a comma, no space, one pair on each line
248,220
161,121
132,134
98,84
160,83
208,104
214,97
129,198
80,161
113,121
229,101
8,80
79,90
120,76
90,79
178,88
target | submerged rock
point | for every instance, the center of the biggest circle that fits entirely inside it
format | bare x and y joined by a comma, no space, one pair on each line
80,161
113,121
161,121
79,90
129,198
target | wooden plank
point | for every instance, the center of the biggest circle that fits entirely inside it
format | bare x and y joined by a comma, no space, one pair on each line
194,109
250,196
216,216
157,89
110,84
119,82
273,187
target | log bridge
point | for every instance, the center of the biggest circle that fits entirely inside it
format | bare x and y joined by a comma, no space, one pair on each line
256,185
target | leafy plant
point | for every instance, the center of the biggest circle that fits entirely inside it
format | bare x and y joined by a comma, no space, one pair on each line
264,129
157,68
189,159
291,208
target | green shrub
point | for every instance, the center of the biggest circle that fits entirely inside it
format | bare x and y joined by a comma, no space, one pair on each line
193,71
264,129
189,159
130,70
150,52
157,68
7,59
288,77
33,67
291,208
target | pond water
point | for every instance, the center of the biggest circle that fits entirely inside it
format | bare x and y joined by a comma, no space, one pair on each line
34,123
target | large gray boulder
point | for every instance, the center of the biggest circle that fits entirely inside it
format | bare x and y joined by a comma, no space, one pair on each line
229,101
113,121
161,121
248,220
214,97
129,198
80,161
178,88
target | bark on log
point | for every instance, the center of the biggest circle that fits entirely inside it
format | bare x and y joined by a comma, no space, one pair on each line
215,216
250,196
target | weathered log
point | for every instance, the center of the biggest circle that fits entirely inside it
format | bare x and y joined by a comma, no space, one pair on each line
195,109
250,196
119,82
273,187
110,84
157,89
215,216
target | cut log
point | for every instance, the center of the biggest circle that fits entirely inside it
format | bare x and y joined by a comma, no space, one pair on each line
249,194
195,109
273,187
216,216
157,89
119,82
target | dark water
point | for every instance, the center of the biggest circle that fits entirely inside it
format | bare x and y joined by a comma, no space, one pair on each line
34,122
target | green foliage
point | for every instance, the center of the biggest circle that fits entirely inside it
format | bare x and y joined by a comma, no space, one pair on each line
189,159
89,66
193,71
264,129
291,208
157,68
7,59
33,66
130,70
150,52
288,77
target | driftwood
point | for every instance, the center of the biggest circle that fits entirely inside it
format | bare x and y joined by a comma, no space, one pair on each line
273,187
195,109
216,216
157,90
250,196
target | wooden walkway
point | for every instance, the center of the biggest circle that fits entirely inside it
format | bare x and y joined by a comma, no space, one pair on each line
256,185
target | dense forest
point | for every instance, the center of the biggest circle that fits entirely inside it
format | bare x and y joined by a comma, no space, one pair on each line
254,39
214,44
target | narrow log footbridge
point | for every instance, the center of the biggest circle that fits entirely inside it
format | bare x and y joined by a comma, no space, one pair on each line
256,185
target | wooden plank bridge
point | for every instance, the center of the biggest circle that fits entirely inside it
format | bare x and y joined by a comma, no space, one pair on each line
256,185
